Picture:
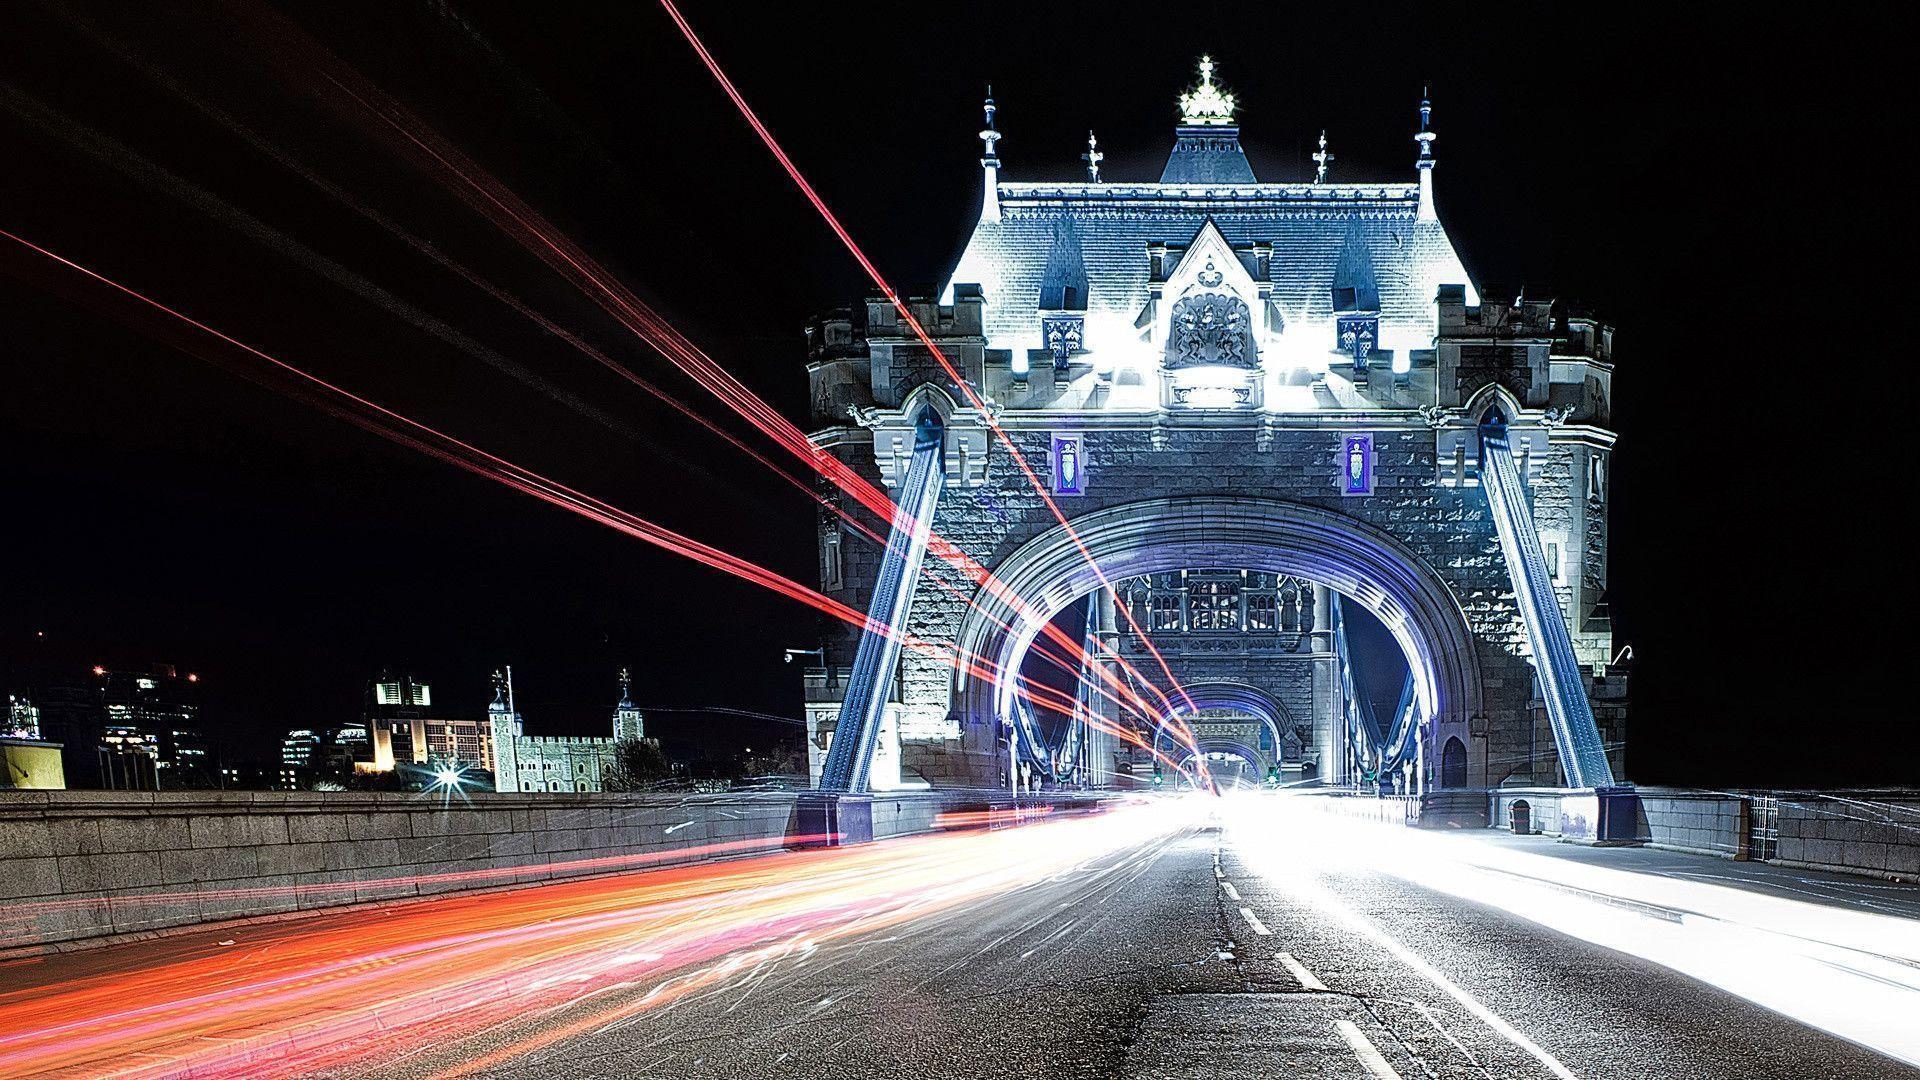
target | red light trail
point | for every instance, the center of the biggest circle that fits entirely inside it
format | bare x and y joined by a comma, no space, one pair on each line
350,992
973,396
498,204
493,200
380,420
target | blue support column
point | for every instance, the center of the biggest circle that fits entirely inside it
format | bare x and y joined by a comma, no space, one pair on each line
1074,740
1577,737
851,756
1380,750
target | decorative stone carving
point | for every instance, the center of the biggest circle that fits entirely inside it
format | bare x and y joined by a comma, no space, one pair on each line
1211,329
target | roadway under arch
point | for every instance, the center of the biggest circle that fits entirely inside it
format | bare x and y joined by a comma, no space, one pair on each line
1049,572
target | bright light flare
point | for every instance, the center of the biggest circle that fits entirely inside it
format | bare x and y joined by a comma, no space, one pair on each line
1855,974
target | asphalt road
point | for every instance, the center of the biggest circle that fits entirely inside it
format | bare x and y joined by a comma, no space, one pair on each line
1205,951
1145,963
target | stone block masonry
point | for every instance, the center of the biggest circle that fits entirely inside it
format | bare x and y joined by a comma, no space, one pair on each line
1875,833
78,865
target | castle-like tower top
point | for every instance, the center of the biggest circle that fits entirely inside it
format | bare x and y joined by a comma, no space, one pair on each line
1206,105
1108,252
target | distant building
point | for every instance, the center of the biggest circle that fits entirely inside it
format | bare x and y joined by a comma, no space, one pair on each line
308,756
555,763
27,761
69,712
351,748
299,759
23,718
246,775
150,731
403,730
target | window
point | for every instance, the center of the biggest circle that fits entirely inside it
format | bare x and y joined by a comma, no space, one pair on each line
1596,478
830,561
1553,560
1213,605
1166,611
1262,611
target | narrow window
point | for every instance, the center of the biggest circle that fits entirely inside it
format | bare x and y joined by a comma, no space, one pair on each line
831,567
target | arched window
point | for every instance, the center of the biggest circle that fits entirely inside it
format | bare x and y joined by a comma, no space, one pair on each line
1453,763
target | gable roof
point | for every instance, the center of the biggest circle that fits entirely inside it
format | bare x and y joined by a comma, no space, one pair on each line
1308,226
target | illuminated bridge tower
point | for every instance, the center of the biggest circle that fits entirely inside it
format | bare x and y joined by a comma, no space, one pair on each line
1277,414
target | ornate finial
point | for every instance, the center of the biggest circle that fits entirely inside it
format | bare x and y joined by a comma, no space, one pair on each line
1426,136
1206,105
499,687
1425,164
1093,157
626,681
988,136
1321,160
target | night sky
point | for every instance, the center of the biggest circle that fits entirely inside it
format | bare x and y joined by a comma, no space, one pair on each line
1717,190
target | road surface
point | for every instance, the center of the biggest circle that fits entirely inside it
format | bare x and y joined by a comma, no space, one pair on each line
1150,943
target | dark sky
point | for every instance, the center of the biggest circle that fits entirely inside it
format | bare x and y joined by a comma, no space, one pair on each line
1718,188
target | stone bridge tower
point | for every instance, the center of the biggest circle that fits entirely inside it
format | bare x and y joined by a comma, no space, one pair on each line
1255,404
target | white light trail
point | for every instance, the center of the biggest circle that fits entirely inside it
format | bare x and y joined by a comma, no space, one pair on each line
1852,973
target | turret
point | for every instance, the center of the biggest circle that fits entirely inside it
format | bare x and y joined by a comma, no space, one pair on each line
504,727
628,724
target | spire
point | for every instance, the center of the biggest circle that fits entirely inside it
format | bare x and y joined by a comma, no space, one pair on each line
990,165
1206,105
1425,163
1093,157
628,724
1321,160
1206,145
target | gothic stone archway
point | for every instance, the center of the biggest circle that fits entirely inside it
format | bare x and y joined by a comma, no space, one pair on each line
1049,571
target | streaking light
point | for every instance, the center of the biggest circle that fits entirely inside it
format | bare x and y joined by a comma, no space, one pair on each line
1853,973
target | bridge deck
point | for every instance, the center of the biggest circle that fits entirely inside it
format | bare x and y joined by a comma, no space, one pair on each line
1152,948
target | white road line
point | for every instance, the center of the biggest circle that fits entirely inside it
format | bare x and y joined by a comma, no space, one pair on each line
1363,1049
1437,1026
1299,972
1325,899
1254,921
1233,894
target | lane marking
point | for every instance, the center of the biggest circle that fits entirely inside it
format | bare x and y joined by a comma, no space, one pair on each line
1312,890
1254,921
1325,899
1437,1026
1364,1049
1233,894
1299,972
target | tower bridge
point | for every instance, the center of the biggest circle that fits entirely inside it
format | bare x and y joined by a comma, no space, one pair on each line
1268,413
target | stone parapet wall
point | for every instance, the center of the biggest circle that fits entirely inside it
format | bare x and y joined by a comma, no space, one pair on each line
1876,833
88,864
1865,832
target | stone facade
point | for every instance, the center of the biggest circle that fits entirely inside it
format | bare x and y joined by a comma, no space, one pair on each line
1281,378
528,763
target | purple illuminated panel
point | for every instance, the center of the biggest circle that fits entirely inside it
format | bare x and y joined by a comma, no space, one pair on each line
1069,465
1356,465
